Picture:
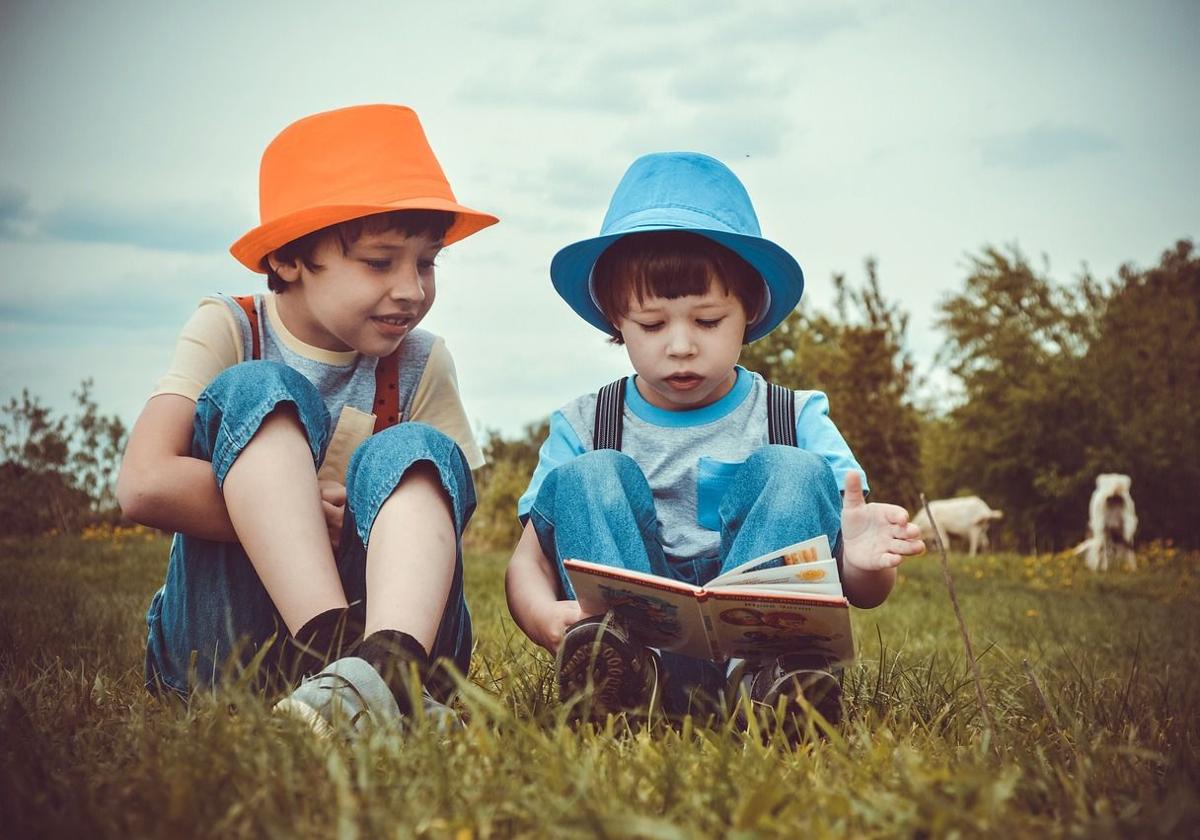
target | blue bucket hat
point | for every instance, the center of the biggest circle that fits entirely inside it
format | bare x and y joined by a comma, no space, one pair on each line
684,191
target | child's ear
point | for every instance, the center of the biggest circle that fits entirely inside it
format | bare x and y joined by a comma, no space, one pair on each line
288,270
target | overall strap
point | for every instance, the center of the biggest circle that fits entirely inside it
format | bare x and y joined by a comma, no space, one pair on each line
246,302
387,397
610,408
781,415
387,394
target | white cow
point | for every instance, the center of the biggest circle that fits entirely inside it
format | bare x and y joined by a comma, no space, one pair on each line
967,517
1112,523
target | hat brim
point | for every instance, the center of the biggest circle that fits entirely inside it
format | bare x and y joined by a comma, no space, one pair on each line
571,270
253,248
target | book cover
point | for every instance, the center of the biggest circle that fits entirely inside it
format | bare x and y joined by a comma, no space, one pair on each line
788,601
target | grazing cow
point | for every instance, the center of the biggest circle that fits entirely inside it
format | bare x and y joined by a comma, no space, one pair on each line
1112,523
967,517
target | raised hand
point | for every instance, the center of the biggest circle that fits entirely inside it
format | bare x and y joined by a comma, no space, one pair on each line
876,535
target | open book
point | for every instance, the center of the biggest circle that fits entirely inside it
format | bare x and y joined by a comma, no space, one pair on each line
788,601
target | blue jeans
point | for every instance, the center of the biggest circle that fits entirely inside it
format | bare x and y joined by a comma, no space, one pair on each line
599,507
213,614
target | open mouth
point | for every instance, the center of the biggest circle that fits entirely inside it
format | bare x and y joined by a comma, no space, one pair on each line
393,320
392,324
684,381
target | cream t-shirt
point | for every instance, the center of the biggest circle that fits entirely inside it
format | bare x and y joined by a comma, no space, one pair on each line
211,341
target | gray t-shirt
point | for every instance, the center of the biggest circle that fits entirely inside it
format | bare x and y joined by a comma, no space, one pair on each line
689,457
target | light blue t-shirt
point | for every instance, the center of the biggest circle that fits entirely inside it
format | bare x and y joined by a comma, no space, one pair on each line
688,457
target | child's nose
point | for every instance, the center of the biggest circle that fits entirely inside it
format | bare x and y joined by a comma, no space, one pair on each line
407,284
681,343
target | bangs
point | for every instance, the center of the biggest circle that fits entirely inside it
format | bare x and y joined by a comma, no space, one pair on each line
431,223
671,264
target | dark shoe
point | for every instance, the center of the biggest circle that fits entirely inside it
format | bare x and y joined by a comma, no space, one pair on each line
804,682
602,671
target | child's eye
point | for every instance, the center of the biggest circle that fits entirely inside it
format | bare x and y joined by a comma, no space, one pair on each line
654,327
709,324
426,265
378,265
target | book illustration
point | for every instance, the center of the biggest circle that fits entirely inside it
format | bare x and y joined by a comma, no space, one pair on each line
807,554
741,616
811,571
750,617
649,616
759,645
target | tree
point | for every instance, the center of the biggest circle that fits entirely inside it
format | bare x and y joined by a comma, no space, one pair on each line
57,472
34,485
862,364
1020,436
1145,363
97,443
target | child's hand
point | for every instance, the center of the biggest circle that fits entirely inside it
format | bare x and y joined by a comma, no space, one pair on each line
553,622
876,536
333,505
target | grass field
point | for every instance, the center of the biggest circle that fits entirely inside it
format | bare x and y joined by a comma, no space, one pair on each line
1093,683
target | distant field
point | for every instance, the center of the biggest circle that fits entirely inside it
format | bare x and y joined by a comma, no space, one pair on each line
1093,682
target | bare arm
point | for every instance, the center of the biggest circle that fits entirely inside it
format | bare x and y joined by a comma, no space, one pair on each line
161,485
532,590
865,589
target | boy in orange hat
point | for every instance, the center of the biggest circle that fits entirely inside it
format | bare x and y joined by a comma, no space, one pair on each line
309,448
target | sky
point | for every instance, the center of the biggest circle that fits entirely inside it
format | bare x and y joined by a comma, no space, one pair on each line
913,133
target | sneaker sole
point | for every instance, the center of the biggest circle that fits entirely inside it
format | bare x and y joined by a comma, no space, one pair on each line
806,684
296,710
609,668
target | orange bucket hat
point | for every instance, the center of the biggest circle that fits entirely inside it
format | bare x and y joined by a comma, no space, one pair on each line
340,165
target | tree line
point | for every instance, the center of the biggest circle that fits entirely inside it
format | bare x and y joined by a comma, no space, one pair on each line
58,473
1041,385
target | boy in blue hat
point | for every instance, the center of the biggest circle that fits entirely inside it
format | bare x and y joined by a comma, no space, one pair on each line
694,465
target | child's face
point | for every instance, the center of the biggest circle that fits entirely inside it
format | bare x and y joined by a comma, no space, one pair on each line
684,349
367,299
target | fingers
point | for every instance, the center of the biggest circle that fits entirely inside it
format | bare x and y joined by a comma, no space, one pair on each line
852,493
333,493
571,613
333,521
907,548
906,532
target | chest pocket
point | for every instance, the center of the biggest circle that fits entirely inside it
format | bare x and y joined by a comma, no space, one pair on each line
712,476
712,480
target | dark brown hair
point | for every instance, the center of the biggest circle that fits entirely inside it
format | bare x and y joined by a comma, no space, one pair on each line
670,264
432,223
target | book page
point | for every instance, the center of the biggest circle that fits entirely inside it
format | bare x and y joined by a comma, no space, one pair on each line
821,575
758,624
815,550
659,612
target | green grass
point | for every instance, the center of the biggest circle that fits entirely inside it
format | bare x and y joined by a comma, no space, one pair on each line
1110,751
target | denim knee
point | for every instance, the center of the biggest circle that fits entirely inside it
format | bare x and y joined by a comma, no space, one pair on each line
789,462
230,411
781,478
607,479
381,461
